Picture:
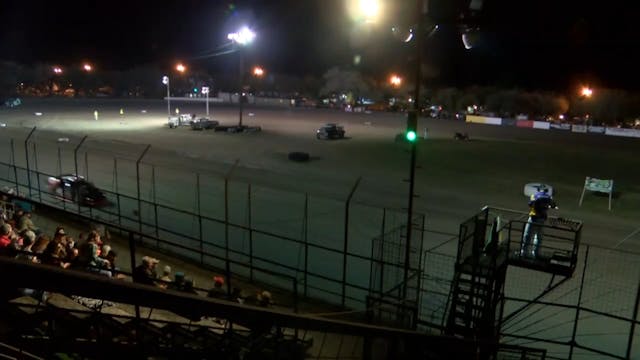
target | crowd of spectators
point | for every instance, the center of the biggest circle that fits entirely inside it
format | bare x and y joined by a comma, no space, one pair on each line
20,238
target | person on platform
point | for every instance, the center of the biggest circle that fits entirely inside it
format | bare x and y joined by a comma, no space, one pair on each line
539,205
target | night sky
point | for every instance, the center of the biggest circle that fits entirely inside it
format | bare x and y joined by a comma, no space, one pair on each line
545,44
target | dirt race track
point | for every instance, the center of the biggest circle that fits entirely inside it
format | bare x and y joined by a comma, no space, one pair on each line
454,178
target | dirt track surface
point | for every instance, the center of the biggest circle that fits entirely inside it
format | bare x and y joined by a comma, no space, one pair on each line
454,179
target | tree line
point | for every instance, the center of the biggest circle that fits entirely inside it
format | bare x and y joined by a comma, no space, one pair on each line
610,106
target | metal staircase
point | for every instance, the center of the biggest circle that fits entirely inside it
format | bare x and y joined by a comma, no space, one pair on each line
488,243
477,290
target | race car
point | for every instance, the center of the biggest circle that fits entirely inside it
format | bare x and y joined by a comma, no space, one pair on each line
330,131
12,102
76,189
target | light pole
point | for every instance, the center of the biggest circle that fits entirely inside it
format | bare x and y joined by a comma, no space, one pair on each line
585,93
165,80
205,90
412,123
243,37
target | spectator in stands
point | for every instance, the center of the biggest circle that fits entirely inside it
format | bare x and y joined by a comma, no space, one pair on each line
59,233
88,256
260,298
111,258
26,255
178,281
236,295
189,286
41,244
192,314
25,223
27,243
16,242
104,251
166,277
218,291
5,239
101,230
145,273
17,214
55,253
71,249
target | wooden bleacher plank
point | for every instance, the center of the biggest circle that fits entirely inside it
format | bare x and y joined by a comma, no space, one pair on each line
30,304
63,302
117,314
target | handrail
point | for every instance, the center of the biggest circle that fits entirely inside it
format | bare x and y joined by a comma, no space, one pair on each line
48,278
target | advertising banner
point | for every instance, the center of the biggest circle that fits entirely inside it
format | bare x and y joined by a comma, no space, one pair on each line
623,132
579,128
484,120
560,126
596,129
541,125
524,123
509,121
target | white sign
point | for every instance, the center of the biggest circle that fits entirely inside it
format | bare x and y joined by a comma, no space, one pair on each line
623,132
596,129
579,128
205,89
541,125
165,80
598,185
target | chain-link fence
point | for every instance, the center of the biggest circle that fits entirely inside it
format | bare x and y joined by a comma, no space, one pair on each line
228,215
591,314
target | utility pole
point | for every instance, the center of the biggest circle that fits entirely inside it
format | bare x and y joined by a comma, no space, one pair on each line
412,119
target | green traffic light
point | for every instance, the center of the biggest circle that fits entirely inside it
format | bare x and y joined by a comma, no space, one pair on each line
411,135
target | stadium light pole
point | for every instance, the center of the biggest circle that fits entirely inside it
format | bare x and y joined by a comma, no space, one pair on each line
205,90
411,136
243,37
165,80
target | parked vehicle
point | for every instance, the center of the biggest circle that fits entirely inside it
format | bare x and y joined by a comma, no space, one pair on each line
330,131
204,124
181,120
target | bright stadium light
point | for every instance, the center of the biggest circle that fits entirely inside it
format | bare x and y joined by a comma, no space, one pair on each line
87,67
181,68
367,11
586,91
243,37
258,71
395,80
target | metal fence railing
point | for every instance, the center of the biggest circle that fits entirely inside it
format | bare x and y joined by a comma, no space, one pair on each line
217,214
